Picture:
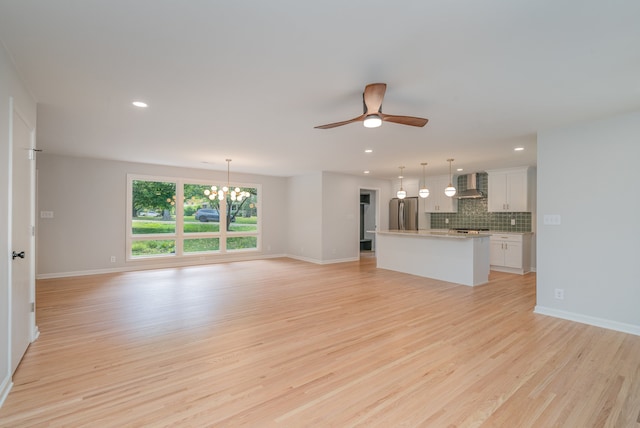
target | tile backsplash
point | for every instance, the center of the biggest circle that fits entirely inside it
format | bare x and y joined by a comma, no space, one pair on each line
473,213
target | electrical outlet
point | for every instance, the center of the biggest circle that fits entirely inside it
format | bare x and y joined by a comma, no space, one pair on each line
559,293
513,222
113,259
446,220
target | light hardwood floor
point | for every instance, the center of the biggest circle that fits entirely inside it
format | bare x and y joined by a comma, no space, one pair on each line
291,344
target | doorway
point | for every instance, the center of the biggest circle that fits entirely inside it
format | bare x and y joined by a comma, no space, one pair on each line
368,220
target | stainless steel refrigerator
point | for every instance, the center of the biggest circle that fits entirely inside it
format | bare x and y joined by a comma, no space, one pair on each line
403,214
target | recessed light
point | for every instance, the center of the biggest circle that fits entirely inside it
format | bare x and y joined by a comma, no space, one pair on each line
368,151
518,149
139,104
366,172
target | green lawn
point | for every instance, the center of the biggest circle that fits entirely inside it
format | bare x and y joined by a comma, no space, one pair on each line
145,225
142,225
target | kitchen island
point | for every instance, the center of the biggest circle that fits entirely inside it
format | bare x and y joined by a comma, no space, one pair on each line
459,258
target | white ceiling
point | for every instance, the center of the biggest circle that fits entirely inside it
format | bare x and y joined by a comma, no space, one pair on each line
249,80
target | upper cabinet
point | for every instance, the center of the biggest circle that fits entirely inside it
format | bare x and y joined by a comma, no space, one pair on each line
438,202
511,190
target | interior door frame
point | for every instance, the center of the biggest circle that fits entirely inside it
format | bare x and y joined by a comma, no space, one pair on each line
31,186
376,192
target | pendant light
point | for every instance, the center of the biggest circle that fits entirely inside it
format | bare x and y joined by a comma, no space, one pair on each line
401,193
424,191
450,191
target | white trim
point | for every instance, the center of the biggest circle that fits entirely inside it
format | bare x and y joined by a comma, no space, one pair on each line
5,388
167,264
507,269
7,382
323,262
345,260
586,319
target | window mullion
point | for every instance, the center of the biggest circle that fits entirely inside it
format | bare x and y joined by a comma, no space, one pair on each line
179,217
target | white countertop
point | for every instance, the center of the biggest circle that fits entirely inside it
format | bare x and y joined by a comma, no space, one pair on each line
434,234
486,232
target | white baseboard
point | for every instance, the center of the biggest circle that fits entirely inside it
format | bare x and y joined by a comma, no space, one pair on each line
135,266
323,262
5,387
304,259
586,319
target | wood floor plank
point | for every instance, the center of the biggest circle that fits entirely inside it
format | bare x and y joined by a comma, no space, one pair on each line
285,343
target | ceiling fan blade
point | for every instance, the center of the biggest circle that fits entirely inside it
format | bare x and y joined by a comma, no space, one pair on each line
346,122
404,120
373,95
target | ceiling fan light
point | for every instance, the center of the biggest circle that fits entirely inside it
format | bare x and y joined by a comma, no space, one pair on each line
372,121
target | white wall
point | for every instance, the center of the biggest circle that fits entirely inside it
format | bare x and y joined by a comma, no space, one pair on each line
587,174
88,199
325,227
10,87
304,228
341,213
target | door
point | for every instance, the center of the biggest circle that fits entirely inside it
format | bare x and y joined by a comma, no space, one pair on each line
496,253
410,213
513,255
22,241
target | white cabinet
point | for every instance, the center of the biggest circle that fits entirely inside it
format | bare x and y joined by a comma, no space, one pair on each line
510,252
438,202
510,190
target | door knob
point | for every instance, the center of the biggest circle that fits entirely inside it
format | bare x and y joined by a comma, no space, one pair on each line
20,254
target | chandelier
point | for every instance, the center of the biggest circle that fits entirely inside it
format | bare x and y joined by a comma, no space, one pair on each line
222,192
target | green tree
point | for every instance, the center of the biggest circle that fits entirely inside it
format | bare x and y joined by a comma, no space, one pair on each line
157,195
236,207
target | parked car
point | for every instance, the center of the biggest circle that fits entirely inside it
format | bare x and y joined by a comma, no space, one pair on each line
148,214
207,214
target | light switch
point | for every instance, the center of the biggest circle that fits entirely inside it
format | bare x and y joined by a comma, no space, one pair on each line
551,219
46,214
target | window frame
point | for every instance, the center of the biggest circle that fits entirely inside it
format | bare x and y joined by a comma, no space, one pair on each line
179,234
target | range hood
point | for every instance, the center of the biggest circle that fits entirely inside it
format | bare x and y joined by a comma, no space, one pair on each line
472,191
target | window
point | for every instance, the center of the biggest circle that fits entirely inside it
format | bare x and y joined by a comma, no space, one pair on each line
160,226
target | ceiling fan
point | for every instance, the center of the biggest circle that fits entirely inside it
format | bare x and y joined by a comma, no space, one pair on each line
373,116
